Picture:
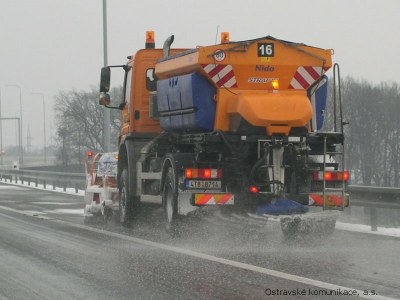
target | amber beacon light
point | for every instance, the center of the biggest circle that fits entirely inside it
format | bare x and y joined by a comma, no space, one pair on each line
150,42
225,37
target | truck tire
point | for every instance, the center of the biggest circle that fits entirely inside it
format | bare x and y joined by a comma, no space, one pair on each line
170,201
125,199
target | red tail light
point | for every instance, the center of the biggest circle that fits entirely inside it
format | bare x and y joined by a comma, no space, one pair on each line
328,176
204,173
253,189
90,153
331,176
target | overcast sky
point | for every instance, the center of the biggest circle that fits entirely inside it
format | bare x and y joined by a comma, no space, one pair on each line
48,46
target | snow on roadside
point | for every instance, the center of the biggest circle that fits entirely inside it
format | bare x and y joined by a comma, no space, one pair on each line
393,232
49,187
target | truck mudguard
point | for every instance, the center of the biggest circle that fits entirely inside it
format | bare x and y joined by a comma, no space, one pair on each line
178,161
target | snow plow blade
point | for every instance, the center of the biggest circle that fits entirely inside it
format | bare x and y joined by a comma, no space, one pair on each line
318,223
296,220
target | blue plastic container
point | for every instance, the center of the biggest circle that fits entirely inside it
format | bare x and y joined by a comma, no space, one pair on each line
186,103
321,95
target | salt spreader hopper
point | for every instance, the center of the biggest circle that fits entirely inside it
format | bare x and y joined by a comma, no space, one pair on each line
263,83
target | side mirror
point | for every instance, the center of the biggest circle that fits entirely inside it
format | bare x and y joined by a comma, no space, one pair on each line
104,99
105,79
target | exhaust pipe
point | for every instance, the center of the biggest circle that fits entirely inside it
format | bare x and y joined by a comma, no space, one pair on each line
167,45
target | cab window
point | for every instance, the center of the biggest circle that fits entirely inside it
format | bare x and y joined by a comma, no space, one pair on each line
128,86
151,80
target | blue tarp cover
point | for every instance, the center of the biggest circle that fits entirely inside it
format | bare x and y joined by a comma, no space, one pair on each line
282,207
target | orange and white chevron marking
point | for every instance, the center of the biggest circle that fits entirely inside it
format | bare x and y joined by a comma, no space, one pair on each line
331,200
222,75
214,199
305,77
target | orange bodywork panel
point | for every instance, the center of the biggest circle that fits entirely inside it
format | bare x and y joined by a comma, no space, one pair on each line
278,112
265,80
135,115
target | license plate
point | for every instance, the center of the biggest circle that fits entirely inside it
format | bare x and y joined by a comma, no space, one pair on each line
203,184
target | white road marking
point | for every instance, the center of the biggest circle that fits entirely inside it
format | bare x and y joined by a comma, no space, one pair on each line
26,213
55,203
78,211
224,261
33,213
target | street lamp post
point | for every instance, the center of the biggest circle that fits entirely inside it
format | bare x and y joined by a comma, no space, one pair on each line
44,127
20,121
19,133
1,135
106,111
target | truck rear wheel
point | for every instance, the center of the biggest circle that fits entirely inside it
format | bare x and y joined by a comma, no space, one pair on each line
125,199
170,200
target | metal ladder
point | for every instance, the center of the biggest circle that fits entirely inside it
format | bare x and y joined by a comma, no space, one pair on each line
339,153
338,134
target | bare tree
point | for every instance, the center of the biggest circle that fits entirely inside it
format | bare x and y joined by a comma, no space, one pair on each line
79,123
373,144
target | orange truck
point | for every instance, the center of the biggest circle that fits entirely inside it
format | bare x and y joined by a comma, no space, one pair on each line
235,124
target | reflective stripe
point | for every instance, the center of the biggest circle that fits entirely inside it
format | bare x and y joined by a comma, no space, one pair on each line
305,77
331,200
214,199
222,75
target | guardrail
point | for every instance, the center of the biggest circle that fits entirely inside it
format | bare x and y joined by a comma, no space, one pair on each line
373,196
56,179
360,195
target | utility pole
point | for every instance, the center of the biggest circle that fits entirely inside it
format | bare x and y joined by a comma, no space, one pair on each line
1,136
20,122
44,128
19,139
28,140
106,111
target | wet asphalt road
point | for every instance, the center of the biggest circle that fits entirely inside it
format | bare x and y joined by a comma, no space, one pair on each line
48,252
